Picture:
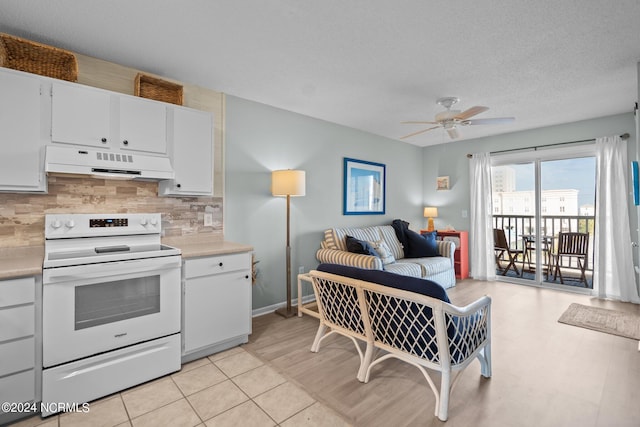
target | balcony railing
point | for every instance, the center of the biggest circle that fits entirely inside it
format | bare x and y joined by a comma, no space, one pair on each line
517,227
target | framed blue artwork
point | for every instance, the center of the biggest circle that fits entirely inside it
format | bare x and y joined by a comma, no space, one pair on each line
364,188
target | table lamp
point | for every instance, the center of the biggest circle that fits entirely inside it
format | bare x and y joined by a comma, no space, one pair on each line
430,213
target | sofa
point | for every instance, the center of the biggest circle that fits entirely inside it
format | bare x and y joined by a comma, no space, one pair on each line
439,267
408,318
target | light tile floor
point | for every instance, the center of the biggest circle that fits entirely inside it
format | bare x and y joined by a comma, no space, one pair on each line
231,388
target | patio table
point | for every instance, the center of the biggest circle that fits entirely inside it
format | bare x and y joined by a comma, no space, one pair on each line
530,246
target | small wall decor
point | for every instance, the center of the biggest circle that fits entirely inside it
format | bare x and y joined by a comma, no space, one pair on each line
364,188
442,183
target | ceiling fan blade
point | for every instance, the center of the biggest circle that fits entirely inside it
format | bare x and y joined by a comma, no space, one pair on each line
471,112
493,121
419,132
453,133
419,123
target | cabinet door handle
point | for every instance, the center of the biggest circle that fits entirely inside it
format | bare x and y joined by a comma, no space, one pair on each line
246,276
178,185
220,264
125,142
104,140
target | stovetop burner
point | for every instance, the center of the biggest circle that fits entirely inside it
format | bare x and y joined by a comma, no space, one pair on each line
78,239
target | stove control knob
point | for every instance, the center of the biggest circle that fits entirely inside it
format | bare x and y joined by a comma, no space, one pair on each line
154,221
143,221
56,224
70,223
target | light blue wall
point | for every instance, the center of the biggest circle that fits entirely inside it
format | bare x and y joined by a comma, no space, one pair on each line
259,139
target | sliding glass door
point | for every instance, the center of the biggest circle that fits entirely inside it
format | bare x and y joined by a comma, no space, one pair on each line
544,206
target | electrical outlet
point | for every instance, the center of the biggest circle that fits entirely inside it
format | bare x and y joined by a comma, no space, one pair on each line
464,213
301,269
208,219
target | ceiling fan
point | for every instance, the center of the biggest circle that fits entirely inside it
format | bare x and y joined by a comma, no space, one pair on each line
451,119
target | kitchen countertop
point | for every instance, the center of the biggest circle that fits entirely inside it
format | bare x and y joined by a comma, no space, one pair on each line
21,261
202,245
27,260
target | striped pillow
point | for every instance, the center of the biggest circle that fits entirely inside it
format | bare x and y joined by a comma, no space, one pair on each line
388,234
383,251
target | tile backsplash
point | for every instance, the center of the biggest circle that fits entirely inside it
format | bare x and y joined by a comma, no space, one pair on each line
22,215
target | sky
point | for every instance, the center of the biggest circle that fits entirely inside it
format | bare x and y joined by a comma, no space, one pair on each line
579,174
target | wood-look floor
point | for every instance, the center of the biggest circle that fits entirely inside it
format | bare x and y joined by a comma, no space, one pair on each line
544,373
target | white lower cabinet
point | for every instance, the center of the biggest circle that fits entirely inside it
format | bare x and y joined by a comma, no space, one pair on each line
216,311
18,357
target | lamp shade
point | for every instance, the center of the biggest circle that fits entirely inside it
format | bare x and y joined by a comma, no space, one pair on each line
288,183
430,212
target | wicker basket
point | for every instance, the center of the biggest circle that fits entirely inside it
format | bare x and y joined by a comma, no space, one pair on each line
158,89
25,55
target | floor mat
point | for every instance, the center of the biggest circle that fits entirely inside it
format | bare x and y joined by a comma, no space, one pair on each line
613,322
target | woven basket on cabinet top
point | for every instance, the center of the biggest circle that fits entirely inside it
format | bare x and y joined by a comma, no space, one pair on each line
37,58
158,89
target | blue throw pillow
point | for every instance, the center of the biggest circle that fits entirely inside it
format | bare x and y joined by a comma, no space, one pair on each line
359,246
422,245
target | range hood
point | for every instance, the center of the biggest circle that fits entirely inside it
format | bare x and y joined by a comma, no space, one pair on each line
106,163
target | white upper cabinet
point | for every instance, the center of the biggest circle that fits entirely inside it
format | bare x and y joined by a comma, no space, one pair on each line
94,117
191,152
36,111
23,132
143,125
80,115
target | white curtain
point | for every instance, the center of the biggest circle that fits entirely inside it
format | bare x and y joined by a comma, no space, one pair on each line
482,257
613,271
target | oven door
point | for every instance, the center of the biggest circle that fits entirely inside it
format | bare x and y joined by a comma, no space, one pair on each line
89,309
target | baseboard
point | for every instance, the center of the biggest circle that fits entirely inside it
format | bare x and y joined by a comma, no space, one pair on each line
271,308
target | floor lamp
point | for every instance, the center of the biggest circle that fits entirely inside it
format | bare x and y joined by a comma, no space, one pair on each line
289,183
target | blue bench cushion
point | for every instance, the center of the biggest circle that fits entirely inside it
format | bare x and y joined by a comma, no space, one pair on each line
414,337
396,281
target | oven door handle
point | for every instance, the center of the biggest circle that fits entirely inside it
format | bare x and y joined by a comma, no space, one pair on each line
81,272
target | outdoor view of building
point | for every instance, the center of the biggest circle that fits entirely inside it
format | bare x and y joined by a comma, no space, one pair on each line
514,205
553,202
508,201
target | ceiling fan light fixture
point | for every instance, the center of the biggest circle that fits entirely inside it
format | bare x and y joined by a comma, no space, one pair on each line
446,115
449,125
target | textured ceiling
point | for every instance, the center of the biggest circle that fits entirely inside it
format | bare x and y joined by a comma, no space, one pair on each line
368,64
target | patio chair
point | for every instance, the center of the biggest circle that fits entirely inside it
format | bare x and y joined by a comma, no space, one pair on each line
501,247
572,245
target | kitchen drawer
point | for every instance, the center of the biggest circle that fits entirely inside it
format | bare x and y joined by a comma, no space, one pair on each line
216,264
17,356
18,388
17,322
17,291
